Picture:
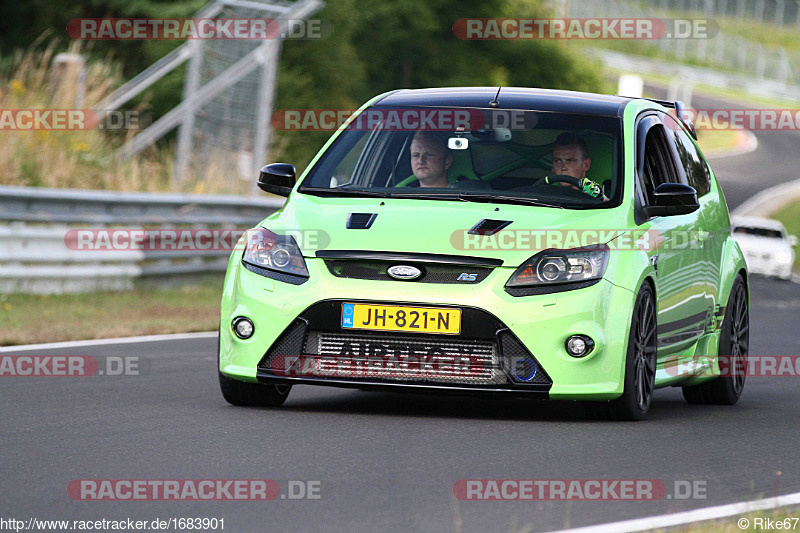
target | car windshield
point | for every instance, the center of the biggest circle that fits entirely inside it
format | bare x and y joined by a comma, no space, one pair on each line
758,232
560,160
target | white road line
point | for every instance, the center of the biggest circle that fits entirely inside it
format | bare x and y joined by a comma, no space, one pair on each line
688,517
118,340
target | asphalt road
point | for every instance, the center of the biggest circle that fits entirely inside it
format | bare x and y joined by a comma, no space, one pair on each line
389,461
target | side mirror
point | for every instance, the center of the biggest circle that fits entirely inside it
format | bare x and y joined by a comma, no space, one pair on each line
672,199
277,178
793,240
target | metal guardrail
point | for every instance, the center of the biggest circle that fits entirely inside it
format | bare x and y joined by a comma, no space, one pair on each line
691,75
35,256
785,13
726,52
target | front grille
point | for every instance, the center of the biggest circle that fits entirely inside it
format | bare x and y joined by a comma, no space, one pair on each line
405,358
441,273
316,348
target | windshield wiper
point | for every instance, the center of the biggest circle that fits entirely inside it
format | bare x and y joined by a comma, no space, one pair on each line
428,196
326,191
499,198
451,196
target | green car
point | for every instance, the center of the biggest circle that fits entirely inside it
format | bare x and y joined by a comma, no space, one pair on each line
508,242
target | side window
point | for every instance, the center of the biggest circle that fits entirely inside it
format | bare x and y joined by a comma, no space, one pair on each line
658,163
343,173
695,166
377,159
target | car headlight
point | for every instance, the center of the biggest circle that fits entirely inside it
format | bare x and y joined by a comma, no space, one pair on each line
279,253
783,256
556,267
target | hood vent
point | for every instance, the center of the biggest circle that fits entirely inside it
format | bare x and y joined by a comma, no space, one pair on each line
488,226
360,220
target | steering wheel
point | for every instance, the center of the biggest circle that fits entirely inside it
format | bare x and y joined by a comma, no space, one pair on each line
562,178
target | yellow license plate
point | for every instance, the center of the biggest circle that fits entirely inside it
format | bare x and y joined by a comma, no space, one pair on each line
401,318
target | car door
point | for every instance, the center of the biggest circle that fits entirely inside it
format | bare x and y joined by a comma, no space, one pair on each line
715,224
676,256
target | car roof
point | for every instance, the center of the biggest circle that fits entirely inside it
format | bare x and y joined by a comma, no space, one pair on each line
509,98
756,222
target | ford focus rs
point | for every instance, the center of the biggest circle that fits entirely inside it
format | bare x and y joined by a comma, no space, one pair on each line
518,242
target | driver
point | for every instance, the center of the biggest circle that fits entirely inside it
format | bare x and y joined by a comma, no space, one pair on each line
430,159
571,158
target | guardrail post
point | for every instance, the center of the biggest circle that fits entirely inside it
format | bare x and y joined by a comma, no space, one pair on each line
269,57
780,9
184,149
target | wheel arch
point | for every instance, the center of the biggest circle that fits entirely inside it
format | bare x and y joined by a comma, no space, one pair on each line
731,265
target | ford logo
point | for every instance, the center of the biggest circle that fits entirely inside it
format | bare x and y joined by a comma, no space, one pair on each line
406,272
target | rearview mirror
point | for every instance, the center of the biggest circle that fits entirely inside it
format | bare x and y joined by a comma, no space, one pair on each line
793,240
277,178
672,199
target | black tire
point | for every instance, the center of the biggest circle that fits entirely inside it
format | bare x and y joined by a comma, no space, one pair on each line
734,343
247,394
640,365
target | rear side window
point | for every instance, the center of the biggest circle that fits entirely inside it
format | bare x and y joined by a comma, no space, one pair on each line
697,172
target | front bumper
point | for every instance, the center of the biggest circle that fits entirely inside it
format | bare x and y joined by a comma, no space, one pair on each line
757,265
529,326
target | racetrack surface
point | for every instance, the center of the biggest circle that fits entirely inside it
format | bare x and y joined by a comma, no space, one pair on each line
389,461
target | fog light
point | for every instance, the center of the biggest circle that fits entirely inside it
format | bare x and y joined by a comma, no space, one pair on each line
243,327
579,345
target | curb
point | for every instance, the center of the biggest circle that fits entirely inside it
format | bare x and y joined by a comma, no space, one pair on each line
747,142
770,200
112,340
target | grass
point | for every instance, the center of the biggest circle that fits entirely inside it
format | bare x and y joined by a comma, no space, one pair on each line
790,217
85,159
767,35
27,319
730,525
716,141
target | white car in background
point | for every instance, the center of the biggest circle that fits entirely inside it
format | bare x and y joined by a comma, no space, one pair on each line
766,246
